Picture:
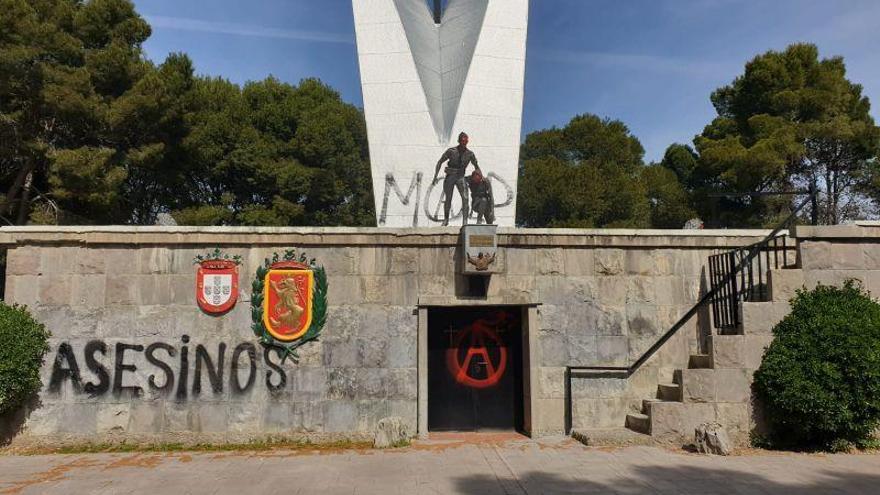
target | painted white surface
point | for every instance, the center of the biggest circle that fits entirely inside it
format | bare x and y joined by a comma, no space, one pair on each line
424,83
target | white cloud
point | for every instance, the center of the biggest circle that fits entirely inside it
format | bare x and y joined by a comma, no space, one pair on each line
185,24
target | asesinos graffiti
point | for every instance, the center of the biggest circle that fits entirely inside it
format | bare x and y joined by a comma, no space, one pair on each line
168,370
432,202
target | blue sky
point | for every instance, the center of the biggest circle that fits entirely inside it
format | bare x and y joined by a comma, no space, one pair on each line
650,63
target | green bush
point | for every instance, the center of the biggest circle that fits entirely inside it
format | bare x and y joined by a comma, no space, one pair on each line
820,378
23,342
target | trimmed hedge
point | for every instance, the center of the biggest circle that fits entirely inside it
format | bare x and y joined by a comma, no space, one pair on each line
820,378
23,343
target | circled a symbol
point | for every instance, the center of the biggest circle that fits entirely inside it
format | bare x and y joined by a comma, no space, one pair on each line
479,333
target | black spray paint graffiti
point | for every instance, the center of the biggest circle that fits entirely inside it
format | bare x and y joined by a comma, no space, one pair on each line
434,208
163,357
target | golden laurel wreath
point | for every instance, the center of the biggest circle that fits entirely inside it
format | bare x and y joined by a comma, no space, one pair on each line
319,304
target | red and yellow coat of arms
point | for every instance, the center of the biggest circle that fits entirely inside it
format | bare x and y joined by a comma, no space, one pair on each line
289,301
217,282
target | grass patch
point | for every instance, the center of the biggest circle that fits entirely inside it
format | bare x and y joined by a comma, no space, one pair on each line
254,446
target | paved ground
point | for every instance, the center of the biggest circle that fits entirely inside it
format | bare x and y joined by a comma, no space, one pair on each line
492,464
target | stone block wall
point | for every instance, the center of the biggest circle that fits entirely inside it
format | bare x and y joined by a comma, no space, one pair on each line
133,355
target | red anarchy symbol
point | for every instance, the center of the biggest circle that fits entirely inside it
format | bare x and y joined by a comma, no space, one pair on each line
478,333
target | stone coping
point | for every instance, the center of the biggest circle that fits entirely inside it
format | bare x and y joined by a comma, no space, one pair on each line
858,230
369,236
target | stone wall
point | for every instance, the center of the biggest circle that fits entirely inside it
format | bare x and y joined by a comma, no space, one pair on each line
120,302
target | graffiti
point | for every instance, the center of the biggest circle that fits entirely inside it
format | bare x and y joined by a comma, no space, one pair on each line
414,185
164,361
433,207
482,373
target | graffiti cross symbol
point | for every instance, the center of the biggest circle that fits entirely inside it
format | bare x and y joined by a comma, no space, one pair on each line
478,333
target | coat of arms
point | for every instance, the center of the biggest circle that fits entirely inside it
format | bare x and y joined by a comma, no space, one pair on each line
217,282
289,301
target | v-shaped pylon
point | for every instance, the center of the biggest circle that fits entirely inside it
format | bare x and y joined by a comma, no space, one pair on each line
443,53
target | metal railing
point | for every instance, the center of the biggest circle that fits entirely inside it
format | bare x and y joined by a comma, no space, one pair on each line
723,287
749,282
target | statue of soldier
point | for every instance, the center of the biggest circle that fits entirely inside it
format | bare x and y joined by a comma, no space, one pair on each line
482,200
459,158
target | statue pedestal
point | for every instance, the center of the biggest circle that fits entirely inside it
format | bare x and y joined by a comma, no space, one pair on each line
480,250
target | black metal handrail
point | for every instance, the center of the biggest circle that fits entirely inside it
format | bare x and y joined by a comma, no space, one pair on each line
750,283
724,282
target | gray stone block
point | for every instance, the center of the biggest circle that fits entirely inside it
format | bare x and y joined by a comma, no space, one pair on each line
340,416
77,418
402,383
728,351
554,349
642,320
733,385
578,262
58,260
550,261
54,290
582,348
22,289
402,351
155,260
146,417
23,260
307,416
611,350
784,283
90,261
341,354
342,383
759,318
609,261
520,261
276,416
122,290
697,385
245,417
88,291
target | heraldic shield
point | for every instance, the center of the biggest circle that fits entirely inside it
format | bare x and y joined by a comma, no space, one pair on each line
287,300
217,285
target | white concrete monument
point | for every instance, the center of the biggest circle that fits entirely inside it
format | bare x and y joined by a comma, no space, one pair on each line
428,74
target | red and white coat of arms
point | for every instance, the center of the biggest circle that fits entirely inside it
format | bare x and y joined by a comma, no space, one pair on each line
217,285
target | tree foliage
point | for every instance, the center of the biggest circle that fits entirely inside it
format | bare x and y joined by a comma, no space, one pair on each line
587,174
93,132
792,120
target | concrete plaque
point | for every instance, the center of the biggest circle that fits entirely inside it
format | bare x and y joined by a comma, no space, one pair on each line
480,250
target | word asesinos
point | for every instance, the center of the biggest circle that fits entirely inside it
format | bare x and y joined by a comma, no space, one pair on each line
164,359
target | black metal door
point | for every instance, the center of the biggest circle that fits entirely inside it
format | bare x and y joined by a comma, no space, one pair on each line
474,369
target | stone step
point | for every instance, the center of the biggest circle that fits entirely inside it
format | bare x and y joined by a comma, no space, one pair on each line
676,421
700,361
728,351
759,318
611,437
784,283
647,403
697,385
669,391
639,422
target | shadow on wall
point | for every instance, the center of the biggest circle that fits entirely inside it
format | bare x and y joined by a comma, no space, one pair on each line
12,423
675,480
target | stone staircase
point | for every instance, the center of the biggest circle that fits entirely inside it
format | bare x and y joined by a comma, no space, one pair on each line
717,386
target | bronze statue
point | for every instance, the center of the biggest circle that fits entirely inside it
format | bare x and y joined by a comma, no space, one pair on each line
482,201
459,158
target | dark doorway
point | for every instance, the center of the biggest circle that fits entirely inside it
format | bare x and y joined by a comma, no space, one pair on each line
475,369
